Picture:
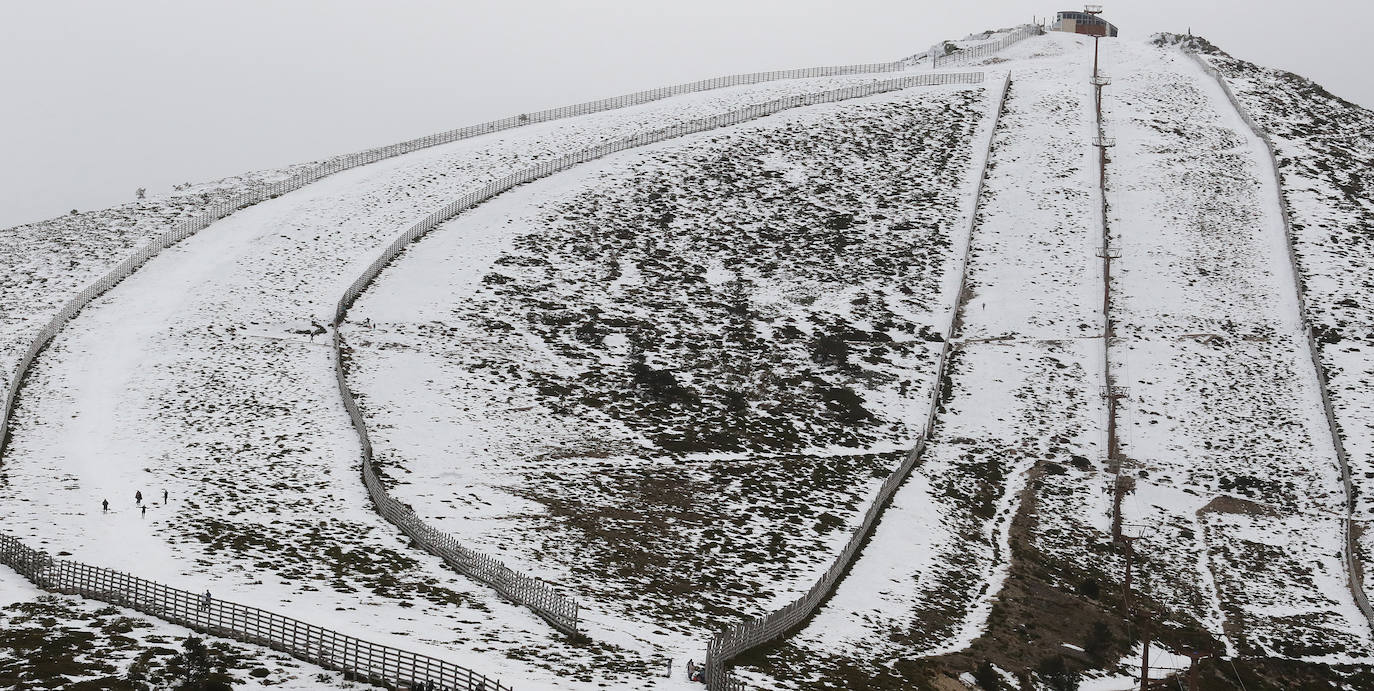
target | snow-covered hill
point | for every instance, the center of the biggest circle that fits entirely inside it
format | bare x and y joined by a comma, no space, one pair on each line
731,334
670,381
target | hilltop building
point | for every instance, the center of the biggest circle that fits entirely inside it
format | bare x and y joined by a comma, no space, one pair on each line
1083,23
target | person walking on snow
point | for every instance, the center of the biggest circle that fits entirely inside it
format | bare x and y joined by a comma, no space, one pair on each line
138,497
144,509
105,505
205,601
164,496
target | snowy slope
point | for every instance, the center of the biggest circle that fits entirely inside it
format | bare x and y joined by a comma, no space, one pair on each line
669,382
195,376
509,336
1024,381
1235,485
1325,150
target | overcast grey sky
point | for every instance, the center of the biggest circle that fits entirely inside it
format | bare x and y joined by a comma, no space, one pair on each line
99,98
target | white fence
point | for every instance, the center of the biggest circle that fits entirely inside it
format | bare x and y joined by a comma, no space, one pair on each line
1352,566
984,50
762,630
533,593
543,599
359,659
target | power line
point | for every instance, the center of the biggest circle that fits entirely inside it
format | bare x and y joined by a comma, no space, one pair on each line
1237,673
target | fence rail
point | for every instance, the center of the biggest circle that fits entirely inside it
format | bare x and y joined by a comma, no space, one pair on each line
377,664
983,51
541,597
1354,572
757,632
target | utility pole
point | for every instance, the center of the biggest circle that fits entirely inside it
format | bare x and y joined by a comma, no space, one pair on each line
1144,650
1112,394
1193,657
1095,40
1099,81
1103,143
1129,544
1093,11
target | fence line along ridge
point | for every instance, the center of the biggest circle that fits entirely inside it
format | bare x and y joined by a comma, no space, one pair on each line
559,610
1355,580
769,627
982,51
377,664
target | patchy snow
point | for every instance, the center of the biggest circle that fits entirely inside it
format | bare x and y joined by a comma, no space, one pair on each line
783,330
1325,148
1024,378
193,375
1224,433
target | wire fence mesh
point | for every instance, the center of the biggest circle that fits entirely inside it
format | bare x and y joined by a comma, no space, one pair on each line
982,51
359,659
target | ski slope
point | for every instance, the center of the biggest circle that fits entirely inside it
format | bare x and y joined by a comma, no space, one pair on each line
1236,488
1323,149
198,375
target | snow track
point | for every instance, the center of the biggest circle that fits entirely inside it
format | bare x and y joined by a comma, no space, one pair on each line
1355,572
1223,432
